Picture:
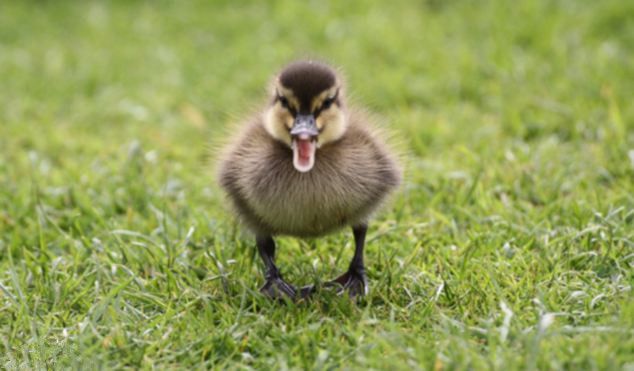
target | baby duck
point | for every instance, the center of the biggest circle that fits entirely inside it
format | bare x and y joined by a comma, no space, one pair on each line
306,167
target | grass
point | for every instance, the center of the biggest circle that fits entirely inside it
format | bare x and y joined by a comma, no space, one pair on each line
510,245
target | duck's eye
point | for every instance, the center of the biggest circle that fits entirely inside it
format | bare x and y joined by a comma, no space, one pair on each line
283,101
327,103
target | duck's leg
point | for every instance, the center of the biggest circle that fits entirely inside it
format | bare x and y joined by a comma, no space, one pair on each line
275,286
355,280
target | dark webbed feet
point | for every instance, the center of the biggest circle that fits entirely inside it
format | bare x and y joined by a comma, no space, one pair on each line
354,281
276,288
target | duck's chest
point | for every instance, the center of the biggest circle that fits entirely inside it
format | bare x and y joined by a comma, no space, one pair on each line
307,203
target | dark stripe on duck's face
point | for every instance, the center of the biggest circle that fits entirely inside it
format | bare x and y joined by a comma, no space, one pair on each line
286,104
327,103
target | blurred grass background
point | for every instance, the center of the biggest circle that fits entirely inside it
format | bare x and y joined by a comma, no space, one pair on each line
509,246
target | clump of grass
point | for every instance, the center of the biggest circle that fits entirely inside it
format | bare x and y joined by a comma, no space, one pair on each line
511,244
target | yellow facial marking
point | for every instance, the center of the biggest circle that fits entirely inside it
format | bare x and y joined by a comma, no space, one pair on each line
319,100
277,122
332,124
288,94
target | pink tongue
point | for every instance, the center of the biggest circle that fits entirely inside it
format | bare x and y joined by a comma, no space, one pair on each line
303,153
305,150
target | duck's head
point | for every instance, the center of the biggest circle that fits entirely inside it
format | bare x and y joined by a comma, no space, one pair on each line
307,110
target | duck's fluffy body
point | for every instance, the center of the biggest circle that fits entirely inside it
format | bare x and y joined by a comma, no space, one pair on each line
305,166
350,179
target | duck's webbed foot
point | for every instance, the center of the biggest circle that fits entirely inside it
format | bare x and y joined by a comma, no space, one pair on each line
354,281
276,288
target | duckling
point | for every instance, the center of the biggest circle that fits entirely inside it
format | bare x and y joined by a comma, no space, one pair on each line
305,167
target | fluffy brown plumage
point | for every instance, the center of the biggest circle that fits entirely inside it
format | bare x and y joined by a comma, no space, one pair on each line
348,182
353,170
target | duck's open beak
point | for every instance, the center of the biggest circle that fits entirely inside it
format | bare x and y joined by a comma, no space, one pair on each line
304,133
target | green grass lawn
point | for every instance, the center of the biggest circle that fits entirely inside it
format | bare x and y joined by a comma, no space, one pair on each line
509,245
